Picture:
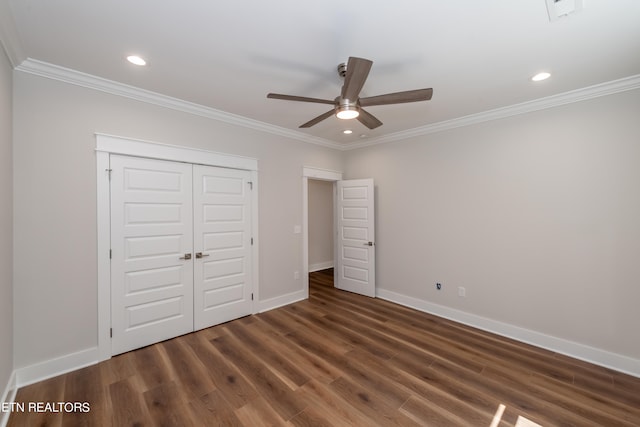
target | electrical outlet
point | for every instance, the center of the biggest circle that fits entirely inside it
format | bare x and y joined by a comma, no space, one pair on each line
296,275
462,292
438,286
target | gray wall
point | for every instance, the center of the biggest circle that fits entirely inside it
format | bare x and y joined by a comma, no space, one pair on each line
320,223
537,216
6,223
55,202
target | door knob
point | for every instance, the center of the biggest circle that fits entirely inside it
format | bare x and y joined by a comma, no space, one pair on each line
369,244
186,256
201,255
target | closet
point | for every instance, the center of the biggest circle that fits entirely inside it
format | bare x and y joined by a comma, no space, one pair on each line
180,248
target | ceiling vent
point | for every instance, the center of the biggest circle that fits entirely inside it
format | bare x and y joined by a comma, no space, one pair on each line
560,8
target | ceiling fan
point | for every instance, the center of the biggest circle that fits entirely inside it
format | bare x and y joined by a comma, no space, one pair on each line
348,105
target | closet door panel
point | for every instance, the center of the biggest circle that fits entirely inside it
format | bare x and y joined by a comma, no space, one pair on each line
151,231
222,235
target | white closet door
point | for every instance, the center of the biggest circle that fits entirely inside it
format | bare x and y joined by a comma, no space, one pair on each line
222,245
151,232
356,258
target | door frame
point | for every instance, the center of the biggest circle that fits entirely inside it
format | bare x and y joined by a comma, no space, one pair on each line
109,144
320,175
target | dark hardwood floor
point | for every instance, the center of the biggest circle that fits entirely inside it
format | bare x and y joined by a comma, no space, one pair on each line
338,359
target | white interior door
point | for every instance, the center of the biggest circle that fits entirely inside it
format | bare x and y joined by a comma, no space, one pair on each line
222,245
356,237
151,242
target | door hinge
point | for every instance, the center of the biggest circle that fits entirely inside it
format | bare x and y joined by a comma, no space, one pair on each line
251,296
109,171
111,332
110,253
252,241
250,184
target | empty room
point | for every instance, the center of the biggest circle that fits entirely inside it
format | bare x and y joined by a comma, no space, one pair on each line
334,213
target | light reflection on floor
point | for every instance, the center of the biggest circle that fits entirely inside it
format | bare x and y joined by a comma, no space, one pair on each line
520,422
523,422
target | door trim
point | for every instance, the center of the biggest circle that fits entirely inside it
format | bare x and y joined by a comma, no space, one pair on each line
321,175
109,144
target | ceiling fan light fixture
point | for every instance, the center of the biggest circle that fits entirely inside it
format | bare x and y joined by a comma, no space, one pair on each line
346,114
347,110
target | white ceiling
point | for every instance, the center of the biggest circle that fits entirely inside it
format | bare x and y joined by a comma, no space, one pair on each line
227,55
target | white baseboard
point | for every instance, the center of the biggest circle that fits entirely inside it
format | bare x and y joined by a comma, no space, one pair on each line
54,367
286,299
320,266
8,397
589,354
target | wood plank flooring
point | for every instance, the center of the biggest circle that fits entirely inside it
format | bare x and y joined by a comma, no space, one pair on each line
338,359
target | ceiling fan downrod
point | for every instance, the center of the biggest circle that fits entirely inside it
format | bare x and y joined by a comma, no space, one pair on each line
342,70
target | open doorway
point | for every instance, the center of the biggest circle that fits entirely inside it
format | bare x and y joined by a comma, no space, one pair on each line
354,245
321,228
321,233
318,194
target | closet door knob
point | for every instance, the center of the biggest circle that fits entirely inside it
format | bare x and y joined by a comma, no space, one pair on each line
186,256
201,255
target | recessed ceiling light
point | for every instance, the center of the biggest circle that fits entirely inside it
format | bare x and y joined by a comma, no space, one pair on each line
541,76
347,132
134,59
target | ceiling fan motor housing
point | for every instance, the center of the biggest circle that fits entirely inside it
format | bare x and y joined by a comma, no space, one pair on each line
345,103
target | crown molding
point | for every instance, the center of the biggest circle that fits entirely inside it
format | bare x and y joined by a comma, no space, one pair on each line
9,39
590,92
55,72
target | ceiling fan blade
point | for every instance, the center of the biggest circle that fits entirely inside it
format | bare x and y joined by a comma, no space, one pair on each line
318,119
368,119
357,72
300,98
398,97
